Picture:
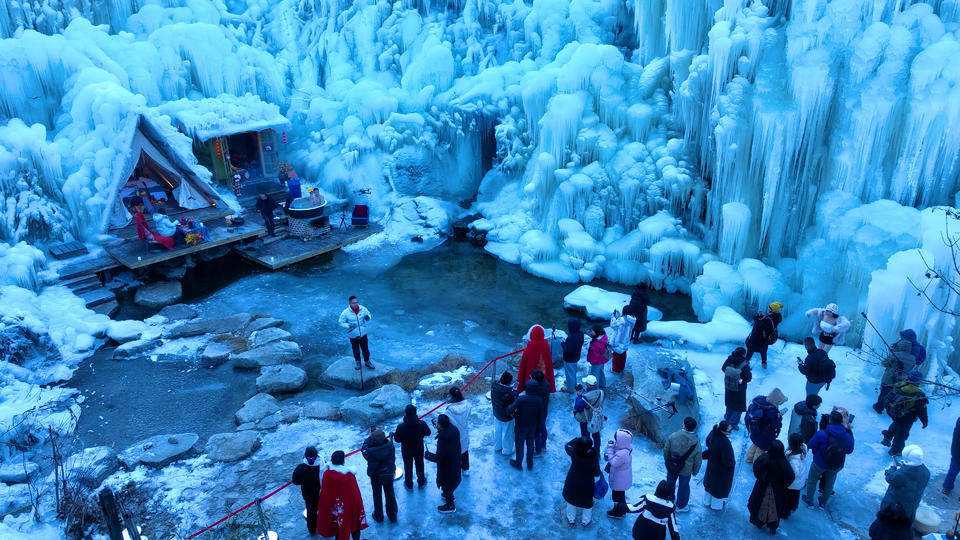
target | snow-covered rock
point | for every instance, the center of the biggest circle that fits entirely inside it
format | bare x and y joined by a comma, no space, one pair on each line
159,294
262,323
232,446
257,408
15,498
179,350
599,304
214,325
17,471
271,354
178,312
726,327
660,409
281,379
321,410
370,409
136,349
124,331
91,466
160,450
260,338
19,344
343,373
215,353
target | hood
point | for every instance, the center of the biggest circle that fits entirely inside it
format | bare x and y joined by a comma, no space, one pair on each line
762,401
536,333
912,456
601,339
909,335
573,325
836,430
801,408
622,440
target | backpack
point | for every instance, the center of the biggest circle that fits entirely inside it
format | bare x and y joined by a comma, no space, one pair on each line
754,416
835,454
595,424
899,404
771,335
731,378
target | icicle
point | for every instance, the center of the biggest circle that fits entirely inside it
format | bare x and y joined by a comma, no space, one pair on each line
734,235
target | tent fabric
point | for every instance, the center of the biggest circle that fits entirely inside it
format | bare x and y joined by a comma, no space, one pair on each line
189,190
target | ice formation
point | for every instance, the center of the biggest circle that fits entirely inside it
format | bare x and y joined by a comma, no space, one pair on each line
738,150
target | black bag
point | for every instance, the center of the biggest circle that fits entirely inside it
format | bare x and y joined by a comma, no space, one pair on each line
835,455
675,464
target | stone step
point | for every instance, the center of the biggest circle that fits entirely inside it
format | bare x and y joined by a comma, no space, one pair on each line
96,297
82,283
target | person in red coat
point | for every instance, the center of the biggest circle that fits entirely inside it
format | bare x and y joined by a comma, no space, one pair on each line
340,511
536,355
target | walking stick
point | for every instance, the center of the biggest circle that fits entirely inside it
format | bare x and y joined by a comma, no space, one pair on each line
864,315
361,378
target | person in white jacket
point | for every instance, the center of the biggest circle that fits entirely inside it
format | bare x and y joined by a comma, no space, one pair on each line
797,457
829,326
355,319
458,410
620,328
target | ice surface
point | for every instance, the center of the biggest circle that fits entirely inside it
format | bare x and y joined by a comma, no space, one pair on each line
599,303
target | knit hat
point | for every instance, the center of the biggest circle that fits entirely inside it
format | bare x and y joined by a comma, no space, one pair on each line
914,376
912,455
775,306
590,380
378,437
833,308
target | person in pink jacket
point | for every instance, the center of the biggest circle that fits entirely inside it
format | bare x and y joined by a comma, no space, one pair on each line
597,354
619,456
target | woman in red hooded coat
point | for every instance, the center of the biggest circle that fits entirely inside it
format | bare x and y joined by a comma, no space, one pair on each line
340,511
536,355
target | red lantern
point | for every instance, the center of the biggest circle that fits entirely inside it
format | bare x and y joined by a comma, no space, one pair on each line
283,135
216,143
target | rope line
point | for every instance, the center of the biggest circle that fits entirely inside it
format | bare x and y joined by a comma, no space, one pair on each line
288,484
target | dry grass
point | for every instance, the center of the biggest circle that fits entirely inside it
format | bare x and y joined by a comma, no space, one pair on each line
235,343
410,379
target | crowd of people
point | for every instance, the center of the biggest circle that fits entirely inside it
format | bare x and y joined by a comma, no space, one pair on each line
805,469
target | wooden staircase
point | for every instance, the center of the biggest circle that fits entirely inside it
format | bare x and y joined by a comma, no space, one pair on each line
94,294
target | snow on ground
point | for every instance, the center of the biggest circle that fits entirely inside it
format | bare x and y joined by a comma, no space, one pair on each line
496,500
598,303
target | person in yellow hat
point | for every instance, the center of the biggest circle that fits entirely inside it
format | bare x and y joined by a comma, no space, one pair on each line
764,332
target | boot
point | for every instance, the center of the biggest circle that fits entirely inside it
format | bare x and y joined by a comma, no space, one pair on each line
446,508
887,438
516,465
369,365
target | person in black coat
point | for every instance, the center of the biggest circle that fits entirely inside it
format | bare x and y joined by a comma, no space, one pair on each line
892,523
954,469
817,367
572,347
768,500
527,412
764,332
578,486
410,434
538,386
657,516
265,206
447,458
721,463
638,307
735,397
381,465
502,395
307,476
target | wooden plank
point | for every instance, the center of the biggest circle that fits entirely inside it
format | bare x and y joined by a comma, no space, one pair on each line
67,250
205,214
134,254
292,250
87,265
96,297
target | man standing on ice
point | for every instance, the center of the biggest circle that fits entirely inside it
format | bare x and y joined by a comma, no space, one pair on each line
818,368
620,327
905,404
764,332
829,326
355,318
307,476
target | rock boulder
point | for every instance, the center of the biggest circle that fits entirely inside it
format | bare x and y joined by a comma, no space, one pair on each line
343,373
17,471
271,354
14,499
262,323
267,335
370,409
124,331
232,446
135,349
257,408
659,406
217,325
159,294
321,410
281,379
178,312
160,450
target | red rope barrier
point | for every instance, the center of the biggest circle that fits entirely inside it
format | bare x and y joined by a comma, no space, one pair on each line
288,484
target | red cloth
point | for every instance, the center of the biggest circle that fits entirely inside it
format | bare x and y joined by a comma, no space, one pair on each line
340,511
166,241
143,231
619,361
536,356
355,309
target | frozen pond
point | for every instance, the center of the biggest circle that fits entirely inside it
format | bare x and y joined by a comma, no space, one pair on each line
453,298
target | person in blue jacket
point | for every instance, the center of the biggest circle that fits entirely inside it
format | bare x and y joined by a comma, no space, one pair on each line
830,447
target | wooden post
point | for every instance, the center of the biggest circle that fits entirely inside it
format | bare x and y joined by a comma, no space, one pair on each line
112,517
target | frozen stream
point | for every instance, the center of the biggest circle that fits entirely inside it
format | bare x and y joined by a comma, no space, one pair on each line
453,298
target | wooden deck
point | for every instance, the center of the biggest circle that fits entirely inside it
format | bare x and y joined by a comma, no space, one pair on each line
290,250
209,213
134,254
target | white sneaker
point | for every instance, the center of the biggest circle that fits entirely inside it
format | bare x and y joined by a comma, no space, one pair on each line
683,509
